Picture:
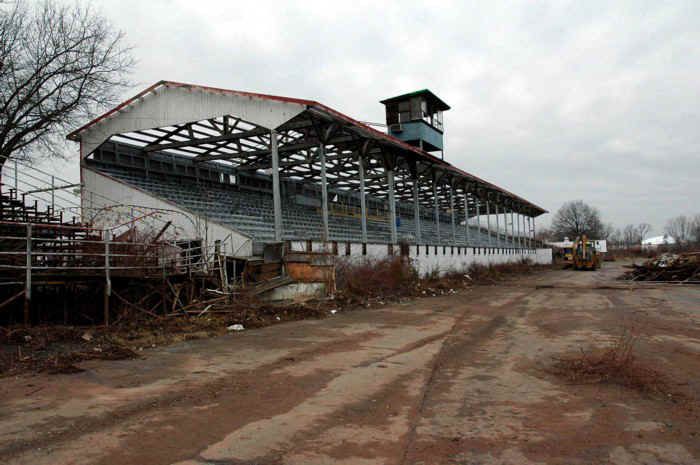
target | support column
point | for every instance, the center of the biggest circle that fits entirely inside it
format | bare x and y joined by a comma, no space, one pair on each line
498,226
466,217
512,228
529,232
452,211
437,211
416,210
488,223
324,191
28,277
478,218
392,204
505,225
276,194
363,200
520,242
534,235
108,279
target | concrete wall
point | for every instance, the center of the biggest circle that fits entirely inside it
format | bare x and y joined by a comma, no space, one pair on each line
108,202
439,258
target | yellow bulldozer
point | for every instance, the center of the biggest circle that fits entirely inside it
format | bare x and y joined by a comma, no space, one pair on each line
584,255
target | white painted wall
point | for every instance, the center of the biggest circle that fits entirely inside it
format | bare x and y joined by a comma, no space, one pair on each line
444,259
108,202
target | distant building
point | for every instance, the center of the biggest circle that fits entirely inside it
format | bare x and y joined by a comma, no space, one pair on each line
656,241
601,245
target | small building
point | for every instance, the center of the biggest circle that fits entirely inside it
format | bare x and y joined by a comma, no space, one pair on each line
656,241
416,118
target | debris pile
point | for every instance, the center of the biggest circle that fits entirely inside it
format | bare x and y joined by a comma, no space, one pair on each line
56,349
668,267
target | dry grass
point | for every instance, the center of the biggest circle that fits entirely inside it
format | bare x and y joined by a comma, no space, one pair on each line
616,364
387,278
392,278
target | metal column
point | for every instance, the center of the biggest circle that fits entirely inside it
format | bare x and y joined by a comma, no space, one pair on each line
498,226
392,204
478,219
452,211
533,228
520,242
437,211
276,194
488,222
363,200
466,217
324,191
416,210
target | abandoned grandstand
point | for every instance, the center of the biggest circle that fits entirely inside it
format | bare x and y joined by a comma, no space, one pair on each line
244,178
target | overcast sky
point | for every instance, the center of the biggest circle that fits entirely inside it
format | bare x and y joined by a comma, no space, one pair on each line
553,101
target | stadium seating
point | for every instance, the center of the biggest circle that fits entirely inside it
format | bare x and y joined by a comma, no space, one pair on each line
251,212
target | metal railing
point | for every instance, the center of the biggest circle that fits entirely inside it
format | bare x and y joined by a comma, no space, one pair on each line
31,253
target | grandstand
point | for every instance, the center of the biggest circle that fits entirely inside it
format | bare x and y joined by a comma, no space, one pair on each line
254,169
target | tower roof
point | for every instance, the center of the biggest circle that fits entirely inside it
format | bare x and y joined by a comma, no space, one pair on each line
433,99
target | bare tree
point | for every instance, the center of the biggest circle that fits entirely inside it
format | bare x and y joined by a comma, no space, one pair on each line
576,218
545,235
630,236
615,238
679,228
59,65
695,229
643,229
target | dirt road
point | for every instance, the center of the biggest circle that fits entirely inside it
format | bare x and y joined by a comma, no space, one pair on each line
460,379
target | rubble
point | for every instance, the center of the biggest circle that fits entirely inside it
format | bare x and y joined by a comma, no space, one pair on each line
668,267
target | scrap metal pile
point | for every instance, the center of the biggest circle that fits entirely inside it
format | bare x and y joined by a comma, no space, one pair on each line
668,267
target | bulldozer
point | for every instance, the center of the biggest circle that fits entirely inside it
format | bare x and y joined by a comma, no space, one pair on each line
584,255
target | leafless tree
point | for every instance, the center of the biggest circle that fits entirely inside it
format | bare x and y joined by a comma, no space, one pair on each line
576,218
545,235
695,229
643,229
59,65
630,236
680,228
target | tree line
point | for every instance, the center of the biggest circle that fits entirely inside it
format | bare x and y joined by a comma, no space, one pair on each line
576,218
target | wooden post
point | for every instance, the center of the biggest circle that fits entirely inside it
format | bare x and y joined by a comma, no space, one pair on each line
53,195
108,281
28,279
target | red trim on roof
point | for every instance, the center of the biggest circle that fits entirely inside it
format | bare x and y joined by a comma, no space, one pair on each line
75,135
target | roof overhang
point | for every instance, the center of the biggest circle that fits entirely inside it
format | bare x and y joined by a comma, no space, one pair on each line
231,126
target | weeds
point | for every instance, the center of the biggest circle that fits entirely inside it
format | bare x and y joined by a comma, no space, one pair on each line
394,277
616,364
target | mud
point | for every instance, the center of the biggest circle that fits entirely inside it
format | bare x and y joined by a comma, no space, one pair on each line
456,379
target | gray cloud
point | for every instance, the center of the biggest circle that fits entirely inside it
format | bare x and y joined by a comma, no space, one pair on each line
554,101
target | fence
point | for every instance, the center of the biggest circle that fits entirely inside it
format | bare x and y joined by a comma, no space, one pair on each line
31,254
